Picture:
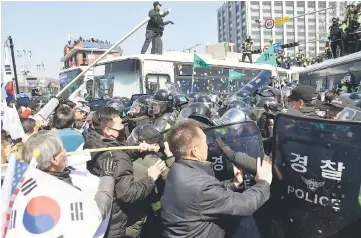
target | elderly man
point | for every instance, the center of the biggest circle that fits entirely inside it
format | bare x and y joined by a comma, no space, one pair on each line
195,203
52,161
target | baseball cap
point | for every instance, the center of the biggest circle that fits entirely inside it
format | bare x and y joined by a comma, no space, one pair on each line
156,3
304,92
340,102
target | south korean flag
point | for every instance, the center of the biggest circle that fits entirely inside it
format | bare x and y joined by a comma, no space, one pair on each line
44,206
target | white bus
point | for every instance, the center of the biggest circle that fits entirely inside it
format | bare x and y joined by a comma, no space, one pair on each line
329,73
136,74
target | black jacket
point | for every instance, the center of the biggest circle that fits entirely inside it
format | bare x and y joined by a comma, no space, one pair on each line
196,204
155,22
127,190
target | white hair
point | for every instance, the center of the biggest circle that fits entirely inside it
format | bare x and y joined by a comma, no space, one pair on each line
48,143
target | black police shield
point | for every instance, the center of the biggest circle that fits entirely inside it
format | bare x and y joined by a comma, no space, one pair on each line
241,137
261,80
316,185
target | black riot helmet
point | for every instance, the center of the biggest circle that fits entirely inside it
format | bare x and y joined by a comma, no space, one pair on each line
269,92
265,101
193,97
291,85
180,100
116,104
149,133
140,106
196,108
335,20
206,101
240,105
233,115
161,102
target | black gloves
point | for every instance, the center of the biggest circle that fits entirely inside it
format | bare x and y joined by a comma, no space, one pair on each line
171,22
108,166
225,149
165,13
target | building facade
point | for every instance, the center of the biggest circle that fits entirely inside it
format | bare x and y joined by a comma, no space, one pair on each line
85,52
237,20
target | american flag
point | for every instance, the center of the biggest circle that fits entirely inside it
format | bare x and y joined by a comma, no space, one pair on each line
18,179
84,127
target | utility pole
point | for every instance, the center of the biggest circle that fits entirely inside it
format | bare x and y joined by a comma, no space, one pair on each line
14,64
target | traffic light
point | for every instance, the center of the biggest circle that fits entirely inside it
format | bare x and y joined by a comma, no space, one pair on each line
290,45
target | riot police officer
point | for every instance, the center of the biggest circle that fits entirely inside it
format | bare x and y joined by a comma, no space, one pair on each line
161,110
247,49
351,27
280,57
335,35
138,112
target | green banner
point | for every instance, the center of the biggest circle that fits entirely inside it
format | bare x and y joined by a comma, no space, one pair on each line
235,75
199,63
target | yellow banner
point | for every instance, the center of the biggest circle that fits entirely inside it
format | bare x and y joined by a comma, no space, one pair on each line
281,21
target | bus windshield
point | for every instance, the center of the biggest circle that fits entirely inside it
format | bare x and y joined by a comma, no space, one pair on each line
118,79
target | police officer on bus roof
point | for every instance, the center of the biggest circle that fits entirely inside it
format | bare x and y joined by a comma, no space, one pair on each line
247,49
154,29
161,110
335,35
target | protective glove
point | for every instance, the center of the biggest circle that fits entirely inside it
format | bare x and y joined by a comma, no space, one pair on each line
165,13
108,166
230,154
171,22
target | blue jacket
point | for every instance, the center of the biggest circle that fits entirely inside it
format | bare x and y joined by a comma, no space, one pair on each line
71,139
196,204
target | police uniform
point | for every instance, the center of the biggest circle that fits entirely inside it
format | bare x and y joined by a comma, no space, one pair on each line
335,36
247,50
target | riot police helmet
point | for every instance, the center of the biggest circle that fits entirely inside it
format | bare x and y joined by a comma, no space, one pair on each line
161,101
233,115
193,97
196,108
116,104
240,105
356,97
335,20
268,91
140,106
205,100
358,104
151,134
180,100
265,101
291,84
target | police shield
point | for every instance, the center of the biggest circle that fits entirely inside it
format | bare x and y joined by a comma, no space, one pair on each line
241,137
316,185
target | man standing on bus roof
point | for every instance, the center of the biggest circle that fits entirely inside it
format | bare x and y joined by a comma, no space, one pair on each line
154,28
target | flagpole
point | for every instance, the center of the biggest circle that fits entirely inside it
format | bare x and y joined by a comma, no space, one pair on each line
279,82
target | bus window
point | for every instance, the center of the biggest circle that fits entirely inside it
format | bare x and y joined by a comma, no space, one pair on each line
124,76
184,83
154,82
202,85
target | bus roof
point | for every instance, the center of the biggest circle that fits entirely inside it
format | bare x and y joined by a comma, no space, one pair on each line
182,57
332,62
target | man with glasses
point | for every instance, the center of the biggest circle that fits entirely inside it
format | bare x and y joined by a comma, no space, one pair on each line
107,130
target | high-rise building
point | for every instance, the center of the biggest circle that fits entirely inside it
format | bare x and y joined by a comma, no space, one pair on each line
236,20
